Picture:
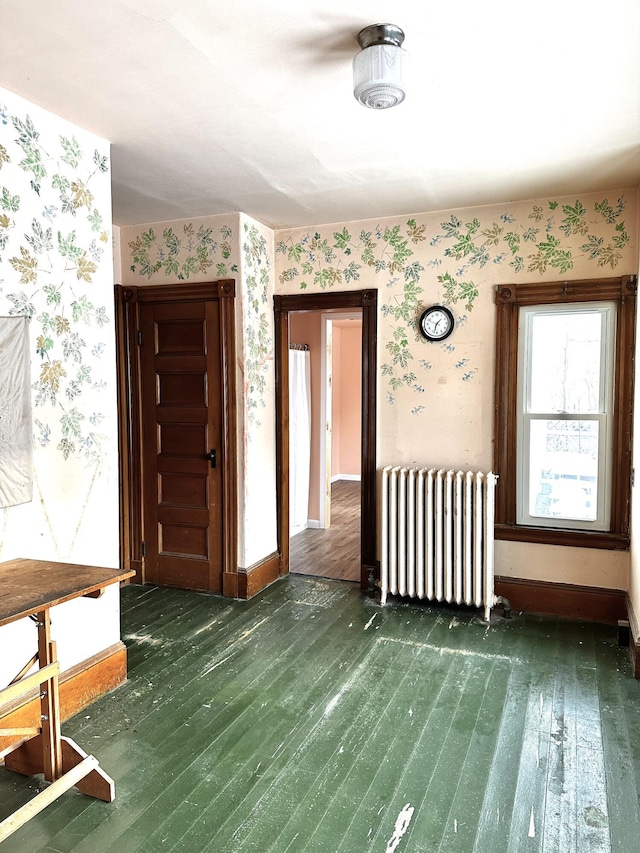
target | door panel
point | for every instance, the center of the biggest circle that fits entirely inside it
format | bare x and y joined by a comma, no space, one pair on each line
182,389
182,491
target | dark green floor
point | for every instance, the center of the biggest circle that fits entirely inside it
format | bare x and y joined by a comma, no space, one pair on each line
311,719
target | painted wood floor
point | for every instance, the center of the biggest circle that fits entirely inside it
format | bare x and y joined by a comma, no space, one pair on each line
312,719
335,551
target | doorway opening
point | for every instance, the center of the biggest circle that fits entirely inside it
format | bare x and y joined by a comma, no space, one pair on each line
325,433
364,304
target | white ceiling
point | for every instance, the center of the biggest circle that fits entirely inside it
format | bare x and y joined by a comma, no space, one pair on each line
247,105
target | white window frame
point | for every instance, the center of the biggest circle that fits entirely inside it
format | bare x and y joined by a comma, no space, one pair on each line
604,416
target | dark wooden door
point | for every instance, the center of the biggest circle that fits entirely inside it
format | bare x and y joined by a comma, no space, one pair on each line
181,441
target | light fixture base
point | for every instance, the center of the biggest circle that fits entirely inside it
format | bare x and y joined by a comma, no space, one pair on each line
380,34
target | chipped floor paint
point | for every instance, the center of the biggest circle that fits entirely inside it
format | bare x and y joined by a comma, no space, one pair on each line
402,825
532,826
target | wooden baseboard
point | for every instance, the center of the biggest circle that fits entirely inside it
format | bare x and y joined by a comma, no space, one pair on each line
79,686
593,604
634,639
256,577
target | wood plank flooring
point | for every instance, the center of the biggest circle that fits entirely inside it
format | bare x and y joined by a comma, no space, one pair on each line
335,551
312,719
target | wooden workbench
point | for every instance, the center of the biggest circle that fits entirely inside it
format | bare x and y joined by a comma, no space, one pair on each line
30,588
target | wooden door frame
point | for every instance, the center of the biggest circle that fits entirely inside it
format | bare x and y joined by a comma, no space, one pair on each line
130,449
367,300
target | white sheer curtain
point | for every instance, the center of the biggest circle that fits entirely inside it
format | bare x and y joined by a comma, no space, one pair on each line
299,437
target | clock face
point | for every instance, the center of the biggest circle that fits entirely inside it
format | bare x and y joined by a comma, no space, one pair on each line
436,323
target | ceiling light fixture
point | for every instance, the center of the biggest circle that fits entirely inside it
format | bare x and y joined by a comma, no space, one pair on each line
377,69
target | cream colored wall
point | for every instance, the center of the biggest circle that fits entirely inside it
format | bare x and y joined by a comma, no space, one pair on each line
117,255
56,268
204,249
435,401
258,535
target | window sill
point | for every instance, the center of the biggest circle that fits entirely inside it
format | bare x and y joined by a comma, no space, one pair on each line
555,536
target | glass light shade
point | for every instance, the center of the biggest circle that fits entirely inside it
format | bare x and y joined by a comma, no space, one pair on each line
377,76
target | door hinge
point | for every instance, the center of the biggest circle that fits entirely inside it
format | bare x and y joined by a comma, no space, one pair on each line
144,549
139,338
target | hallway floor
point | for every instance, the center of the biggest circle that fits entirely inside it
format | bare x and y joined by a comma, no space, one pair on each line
335,551
311,719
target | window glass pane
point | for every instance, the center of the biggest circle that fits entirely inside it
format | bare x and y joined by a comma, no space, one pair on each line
565,362
563,469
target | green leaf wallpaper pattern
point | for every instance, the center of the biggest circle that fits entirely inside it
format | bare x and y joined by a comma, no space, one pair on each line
183,253
258,334
52,245
194,250
546,239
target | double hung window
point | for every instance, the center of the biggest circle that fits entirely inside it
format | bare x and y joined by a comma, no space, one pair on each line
564,364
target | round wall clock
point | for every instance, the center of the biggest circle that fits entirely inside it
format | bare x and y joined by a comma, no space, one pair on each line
436,323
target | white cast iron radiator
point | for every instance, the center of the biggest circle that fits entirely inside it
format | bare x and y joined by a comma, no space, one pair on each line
437,536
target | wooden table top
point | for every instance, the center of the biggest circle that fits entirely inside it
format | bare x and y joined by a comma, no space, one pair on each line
27,586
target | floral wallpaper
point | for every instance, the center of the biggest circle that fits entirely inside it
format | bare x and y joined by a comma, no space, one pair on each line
182,252
258,321
54,244
451,258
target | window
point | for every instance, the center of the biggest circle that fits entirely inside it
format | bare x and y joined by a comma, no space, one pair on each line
564,377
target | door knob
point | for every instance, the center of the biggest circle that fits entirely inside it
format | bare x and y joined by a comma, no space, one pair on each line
212,456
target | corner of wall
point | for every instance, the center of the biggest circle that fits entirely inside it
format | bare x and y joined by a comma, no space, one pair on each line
257,536
117,256
634,570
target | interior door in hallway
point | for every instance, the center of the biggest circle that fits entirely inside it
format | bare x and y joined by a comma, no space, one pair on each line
181,435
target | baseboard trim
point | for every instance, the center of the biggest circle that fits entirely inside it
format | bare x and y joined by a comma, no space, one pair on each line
79,686
356,478
634,639
314,523
254,578
571,601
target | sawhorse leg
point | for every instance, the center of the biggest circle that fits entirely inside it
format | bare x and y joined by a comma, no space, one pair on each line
50,753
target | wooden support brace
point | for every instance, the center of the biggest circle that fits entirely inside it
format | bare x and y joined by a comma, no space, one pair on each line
97,593
49,702
27,760
97,784
32,731
19,688
12,748
75,776
25,669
